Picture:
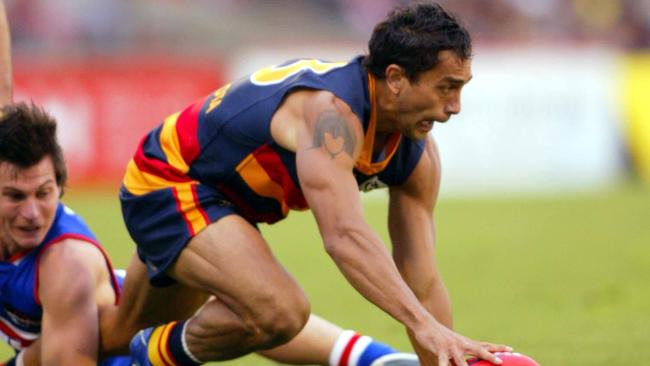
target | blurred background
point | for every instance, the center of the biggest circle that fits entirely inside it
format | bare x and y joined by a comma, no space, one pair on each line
558,100
544,216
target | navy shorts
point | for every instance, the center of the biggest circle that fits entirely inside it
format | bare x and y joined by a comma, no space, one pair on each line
162,221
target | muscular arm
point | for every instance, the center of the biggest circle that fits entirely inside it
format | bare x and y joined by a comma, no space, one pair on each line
5,58
69,278
328,145
412,232
329,142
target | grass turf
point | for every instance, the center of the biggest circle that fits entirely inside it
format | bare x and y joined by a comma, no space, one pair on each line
562,278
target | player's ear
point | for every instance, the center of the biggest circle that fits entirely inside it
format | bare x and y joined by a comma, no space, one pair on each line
395,78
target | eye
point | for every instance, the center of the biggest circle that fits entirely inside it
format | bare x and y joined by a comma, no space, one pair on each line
43,194
444,89
14,196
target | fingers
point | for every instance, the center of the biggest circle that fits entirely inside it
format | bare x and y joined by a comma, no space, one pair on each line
496,347
486,355
450,349
459,359
443,359
457,356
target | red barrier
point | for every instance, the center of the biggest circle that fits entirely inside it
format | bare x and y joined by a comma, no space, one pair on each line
104,107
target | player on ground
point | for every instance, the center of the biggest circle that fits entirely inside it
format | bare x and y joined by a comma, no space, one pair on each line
55,278
305,134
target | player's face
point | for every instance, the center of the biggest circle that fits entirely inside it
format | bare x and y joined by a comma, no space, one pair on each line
433,97
28,202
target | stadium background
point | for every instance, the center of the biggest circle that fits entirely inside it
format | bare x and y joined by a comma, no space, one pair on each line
543,221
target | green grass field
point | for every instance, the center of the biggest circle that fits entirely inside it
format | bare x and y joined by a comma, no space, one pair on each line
564,278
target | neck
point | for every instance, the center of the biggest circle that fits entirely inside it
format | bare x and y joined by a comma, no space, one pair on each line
5,252
385,109
8,247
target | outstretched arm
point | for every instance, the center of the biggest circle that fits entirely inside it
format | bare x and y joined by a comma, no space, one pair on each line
6,84
329,143
412,232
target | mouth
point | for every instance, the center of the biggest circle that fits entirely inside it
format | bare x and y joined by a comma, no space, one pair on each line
29,230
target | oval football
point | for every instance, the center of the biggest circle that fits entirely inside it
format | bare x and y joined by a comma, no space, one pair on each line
508,358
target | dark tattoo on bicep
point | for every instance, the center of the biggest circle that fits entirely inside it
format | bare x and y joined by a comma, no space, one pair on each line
332,133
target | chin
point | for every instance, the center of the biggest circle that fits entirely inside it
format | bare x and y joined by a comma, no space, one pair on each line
418,134
29,243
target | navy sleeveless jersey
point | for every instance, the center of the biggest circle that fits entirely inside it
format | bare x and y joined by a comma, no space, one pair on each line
224,141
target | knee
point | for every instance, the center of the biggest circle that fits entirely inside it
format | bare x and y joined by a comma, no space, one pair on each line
282,319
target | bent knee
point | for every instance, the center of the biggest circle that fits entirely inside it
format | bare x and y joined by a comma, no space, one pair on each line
283,320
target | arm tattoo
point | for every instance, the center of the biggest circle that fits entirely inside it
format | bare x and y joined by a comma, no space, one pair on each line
333,133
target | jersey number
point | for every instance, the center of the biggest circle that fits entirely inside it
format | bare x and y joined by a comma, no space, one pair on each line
277,74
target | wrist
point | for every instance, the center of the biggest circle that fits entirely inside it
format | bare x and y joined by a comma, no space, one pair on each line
419,320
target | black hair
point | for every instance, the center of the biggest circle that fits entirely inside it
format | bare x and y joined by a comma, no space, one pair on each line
27,135
412,36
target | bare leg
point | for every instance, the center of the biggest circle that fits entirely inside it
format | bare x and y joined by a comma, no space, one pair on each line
271,313
142,306
257,304
311,346
324,343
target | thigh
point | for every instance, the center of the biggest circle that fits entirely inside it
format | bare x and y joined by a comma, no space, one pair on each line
142,305
231,260
162,221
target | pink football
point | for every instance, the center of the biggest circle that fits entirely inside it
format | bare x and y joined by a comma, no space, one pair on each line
508,358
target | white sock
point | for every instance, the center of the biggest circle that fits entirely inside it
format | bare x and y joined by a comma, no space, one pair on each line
348,348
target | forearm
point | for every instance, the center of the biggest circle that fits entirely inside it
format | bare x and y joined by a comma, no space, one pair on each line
362,258
412,233
437,302
421,276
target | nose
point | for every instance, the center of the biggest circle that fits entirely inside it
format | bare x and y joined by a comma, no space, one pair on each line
29,210
453,106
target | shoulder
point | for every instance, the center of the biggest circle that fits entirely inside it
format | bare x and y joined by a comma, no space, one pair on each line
72,249
322,105
71,266
322,100
303,111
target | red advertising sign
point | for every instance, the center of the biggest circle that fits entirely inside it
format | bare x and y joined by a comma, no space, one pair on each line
104,107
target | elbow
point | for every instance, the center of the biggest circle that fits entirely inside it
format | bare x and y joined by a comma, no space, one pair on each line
338,242
333,247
